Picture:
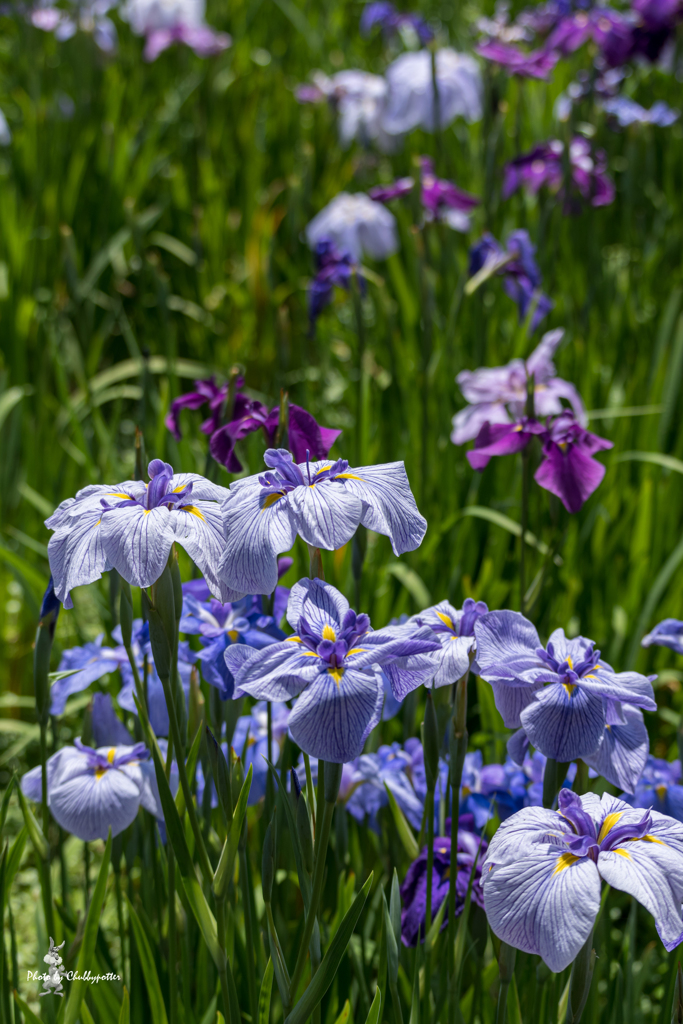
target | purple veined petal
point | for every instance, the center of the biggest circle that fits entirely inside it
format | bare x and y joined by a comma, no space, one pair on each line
62,689
320,604
559,388
77,554
88,806
667,633
107,727
202,489
571,475
389,505
542,901
236,656
506,647
651,870
143,775
276,673
255,536
628,687
199,529
453,660
334,716
511,700
518,746
623,751
325,514
406,674
564,724
138,541
31,781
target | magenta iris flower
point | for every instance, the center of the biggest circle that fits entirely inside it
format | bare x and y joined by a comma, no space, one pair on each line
441,199
543,875
568,468
470,849
519,269
533,64
562,695
90,791
543,166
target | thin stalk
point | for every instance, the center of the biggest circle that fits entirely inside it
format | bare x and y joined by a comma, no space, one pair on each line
458,749
270,794
172,939
320,853
526,480
310,792
429,810
86,868
360,393
315,563
506,962
122,928
47,872
249,936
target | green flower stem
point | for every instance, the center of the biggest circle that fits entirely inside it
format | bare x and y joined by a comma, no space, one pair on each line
122,929
506,965
362,376
429,811
553,777
458,748
580,981
249,937
321,842
172,939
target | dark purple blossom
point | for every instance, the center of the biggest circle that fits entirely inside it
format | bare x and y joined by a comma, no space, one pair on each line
543,165
534,64
470,849
206,392
517,264
334,268
502,439
441,199
384,14
568,468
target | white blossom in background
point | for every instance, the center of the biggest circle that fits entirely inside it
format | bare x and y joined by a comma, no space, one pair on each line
410,103
164,22
359,99
356,224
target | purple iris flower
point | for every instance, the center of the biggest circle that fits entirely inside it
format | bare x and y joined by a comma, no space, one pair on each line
356,224
410,787
132,526
667,633
88,664
156,701
50,606
367,792
470,849
384,14
502,439
626,111
206,392
562,695
454,630
660,788
568,469
332,665
90,791
324,502
543,873
441,199
534,64
107,728
517,265
334,269
498,395
543,165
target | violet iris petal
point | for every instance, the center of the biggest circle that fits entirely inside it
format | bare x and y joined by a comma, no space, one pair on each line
441,200
107,728
667,633
454,629
623,750
543,166
659,787
470,848
547,866
502,439
534,64
568,469
384,14
89,663
332,664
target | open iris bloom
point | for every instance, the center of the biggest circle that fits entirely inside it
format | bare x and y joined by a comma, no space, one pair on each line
87,664
441,199
324,502
568,469
410,103
562,695
454,629
359,98
544,872
531,64
470,848
142,653
544,165
90,791
165,22
357,225
667,633
391,21
89,16
518,268
498,394
132,526
332,666
659,787
626,112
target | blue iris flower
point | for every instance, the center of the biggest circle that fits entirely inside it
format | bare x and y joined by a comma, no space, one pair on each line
667,633
659,787
88,663
332,665
156,702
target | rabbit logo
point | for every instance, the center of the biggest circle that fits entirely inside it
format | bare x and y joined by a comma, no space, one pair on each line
52,981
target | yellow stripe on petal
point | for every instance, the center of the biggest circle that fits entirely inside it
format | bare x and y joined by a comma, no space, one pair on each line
293,639
234,635
623,853
116,494
569,687
271,499
309,654
650,839
193,510
569,661
329,633
347,476
111,754
446,619
336,674
355,650
608,824
565,860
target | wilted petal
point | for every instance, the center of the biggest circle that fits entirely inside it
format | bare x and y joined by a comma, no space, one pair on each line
564,722
334,716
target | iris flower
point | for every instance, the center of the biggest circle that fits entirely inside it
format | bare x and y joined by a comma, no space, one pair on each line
356,224
544,871
107,728
324,502
667,633
441,200
156,701
519,269
359,98
333,269
568,469
659,787
88,663
563,695
410,103
544,165
332,666
165,22
132,526
454,629
470,848
384,14
534,64
90,791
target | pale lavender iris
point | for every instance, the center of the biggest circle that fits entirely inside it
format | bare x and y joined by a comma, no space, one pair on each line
89,16
359,99
498,395
667,633
568,469
543,874
165,22
90,791
332,665
88,663
391,21
531,64
454,629
544,166
562,695
626,112
356,224
323,502
107,728
372,773
441,199
659,787
132,526
519,269
410,102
